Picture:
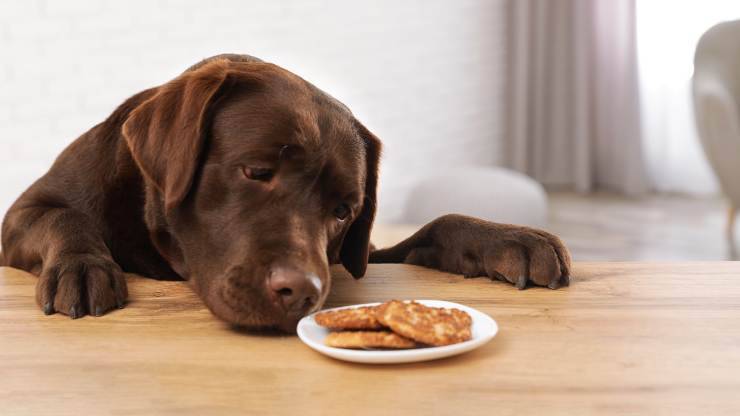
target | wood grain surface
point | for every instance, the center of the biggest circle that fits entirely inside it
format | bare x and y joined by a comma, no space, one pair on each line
624,338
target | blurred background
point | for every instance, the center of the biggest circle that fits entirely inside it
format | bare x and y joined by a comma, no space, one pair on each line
587,118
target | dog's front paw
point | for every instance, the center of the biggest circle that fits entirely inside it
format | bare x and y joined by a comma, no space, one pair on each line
527,256
473,247
81,284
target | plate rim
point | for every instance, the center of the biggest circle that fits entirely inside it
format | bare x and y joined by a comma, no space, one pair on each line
400,356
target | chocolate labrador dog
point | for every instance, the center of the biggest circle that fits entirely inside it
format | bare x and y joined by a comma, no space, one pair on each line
247,181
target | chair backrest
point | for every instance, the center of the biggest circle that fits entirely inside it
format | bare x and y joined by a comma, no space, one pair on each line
716,90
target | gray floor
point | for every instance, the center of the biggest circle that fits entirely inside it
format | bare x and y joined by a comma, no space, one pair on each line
653,228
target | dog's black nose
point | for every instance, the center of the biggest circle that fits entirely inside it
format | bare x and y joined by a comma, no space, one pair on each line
297,291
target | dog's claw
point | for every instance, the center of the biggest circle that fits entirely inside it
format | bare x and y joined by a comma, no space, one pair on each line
48,308
554,284
98,311
73,313
522,282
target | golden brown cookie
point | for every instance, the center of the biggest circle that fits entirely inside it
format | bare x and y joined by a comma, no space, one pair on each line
428,325
353,318
368,339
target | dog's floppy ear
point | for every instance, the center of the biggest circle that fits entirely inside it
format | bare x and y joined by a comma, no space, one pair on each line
356,245
166,132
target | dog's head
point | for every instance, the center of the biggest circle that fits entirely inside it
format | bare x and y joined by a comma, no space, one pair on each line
256,182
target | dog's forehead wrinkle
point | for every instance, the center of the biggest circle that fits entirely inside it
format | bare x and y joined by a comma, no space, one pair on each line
288,110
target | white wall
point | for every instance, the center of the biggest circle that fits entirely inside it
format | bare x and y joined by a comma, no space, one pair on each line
424,75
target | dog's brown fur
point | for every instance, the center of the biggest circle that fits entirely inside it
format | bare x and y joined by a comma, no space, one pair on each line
159,189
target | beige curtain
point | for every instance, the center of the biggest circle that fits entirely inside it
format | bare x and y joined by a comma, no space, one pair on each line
573,106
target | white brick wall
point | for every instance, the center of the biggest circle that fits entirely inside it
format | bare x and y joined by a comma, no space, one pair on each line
424,75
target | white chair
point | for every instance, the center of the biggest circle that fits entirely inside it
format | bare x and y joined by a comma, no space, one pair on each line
716,89
494,194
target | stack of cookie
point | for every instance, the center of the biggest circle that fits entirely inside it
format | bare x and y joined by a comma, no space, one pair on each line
395,325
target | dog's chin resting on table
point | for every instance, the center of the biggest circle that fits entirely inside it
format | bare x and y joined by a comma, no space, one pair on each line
247,181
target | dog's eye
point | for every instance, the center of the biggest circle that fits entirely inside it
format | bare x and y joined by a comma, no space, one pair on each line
342,211
258,174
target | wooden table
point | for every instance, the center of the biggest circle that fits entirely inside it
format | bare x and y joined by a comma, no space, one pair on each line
624,338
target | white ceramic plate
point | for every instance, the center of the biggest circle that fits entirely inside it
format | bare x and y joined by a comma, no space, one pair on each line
484,328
